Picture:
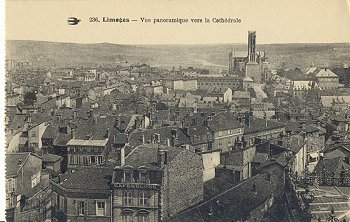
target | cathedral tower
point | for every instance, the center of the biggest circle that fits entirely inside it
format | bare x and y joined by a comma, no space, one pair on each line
251,46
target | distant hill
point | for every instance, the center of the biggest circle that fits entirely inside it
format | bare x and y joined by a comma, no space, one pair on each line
52,54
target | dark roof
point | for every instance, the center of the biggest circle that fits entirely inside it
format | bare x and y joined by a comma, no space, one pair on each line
95,128
50,132
12,162
89,179
215,186
297,75
62,139
50,158
135,137
236,202
257,125
331,165
260,157
18,121
224,121
147,154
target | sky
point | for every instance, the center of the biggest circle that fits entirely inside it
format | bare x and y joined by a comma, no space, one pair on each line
275,21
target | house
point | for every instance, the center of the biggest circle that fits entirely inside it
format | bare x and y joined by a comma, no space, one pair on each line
236,165
226,130
91,142
155,182
23,172
52,162
261,128
84,195
247,201
211,159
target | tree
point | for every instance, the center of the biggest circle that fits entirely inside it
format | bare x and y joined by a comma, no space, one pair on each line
29,98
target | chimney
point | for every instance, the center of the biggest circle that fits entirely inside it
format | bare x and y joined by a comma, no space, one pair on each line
143,137
168,142
122,156
72,133
247,119
238,144
268,178
162,158
187,130
107,133
155,138
254,188
29,118
173,133
75,114
20,161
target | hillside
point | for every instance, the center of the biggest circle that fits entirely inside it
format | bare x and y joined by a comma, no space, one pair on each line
51,54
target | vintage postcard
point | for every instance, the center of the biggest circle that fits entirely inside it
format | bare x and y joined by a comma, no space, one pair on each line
176,111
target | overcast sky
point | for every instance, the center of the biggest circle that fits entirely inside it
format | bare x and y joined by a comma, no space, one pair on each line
276,21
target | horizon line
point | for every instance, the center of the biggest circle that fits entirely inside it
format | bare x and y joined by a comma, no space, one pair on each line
145,44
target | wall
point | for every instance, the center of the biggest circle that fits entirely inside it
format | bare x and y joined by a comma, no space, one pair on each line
210,161
183,183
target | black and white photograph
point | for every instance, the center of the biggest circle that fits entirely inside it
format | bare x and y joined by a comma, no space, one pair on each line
176,111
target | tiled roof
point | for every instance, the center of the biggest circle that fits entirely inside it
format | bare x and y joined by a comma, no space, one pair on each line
50,132
257,125
135,137
50,158
95,128
236,202
89,179
18,121
260,157
146,155
74,142
224,121
12,162
331,165
61,139
326,73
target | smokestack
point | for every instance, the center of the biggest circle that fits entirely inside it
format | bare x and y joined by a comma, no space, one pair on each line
162,158
268,178
254,188
143,137
29,118
72,133
122,156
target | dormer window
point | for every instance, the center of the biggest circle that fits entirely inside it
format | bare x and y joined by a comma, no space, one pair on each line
143,175
128,175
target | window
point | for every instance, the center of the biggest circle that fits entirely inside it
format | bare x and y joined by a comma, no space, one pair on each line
54,199
127,196
100,208
143,198
128,176
143,177
92,159
142,218
10,185
71,159
100,160
61,203
127,217
35,179
85,160
33,134
82,207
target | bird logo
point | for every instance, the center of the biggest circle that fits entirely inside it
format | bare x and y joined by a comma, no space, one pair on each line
73,21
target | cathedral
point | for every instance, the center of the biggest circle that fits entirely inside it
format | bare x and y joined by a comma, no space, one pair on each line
253,65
